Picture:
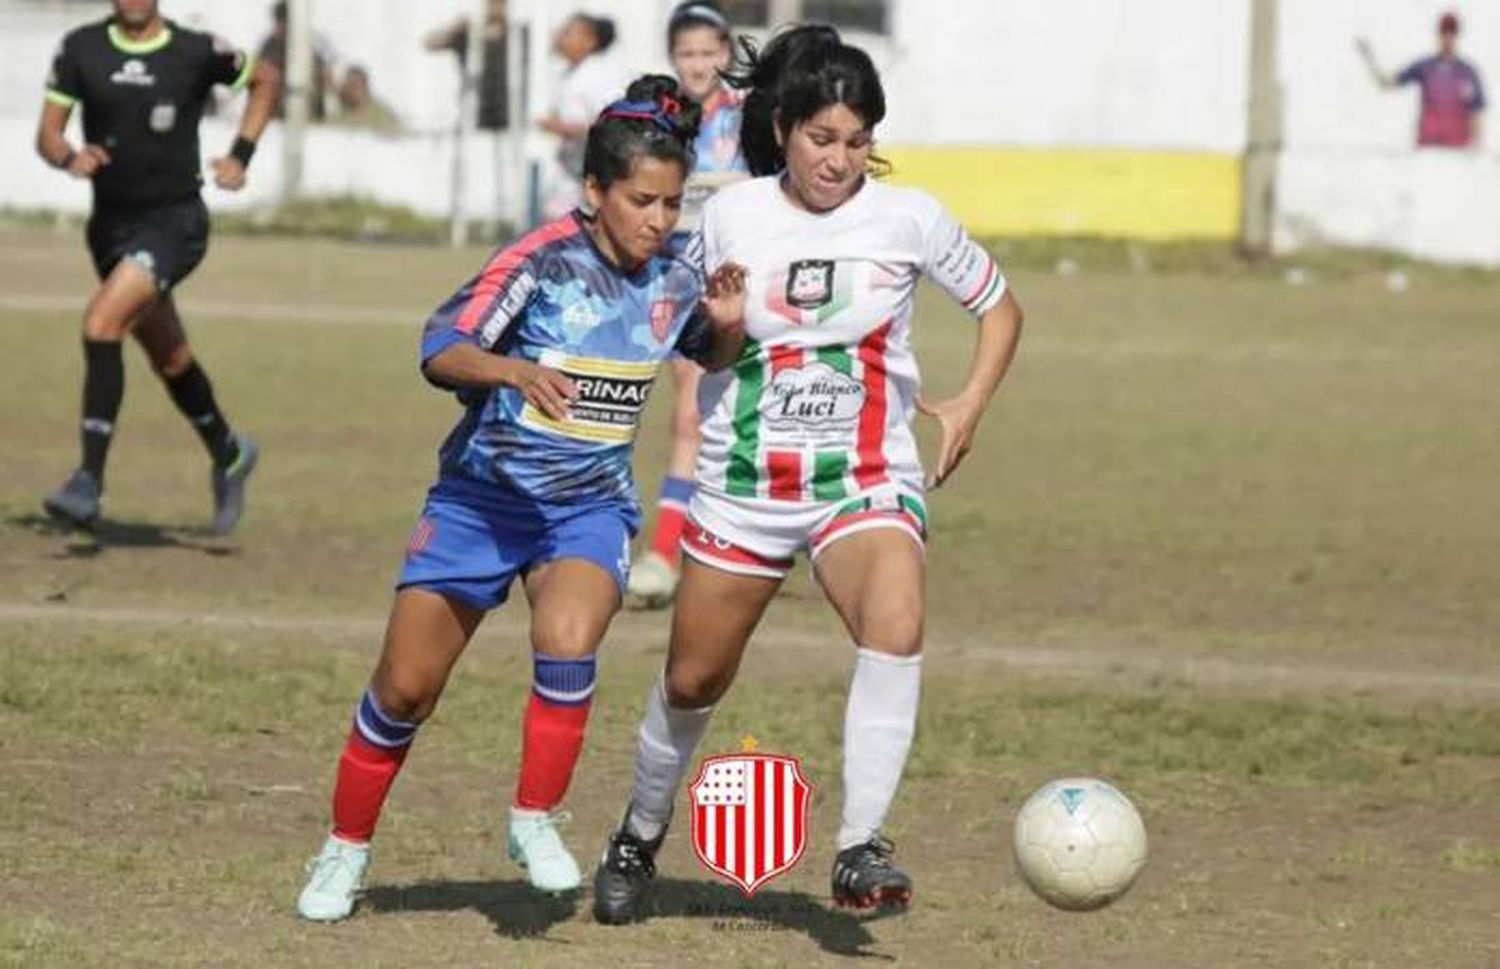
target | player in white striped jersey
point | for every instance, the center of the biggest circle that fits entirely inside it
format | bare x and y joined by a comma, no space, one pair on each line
807,443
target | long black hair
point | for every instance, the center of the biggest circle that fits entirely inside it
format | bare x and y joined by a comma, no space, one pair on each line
696,13
654,120
801,71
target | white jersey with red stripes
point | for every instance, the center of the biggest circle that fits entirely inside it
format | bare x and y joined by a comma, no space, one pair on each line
820,404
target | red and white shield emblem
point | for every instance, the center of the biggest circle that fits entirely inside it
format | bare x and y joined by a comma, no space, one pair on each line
662,312
750,816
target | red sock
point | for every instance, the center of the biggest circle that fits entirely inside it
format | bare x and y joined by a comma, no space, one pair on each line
365,776
671,515
551,740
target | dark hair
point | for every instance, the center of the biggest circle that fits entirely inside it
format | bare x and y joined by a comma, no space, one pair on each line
603,29
801,71
696,13
654,120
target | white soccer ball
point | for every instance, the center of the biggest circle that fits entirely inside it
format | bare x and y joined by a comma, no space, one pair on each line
1079,843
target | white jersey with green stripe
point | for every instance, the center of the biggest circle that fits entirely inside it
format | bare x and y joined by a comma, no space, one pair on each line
819,405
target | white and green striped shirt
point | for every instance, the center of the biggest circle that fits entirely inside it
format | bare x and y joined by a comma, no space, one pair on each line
820,403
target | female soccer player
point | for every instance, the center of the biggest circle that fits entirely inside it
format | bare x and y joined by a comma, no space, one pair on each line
552,349
698,43
807,444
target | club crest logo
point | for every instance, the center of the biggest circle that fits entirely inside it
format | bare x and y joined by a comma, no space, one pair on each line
809,283
750,816
663,311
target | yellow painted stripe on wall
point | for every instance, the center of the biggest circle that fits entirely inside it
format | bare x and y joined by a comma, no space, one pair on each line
1072,192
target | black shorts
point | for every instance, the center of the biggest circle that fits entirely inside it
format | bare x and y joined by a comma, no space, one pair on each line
167,242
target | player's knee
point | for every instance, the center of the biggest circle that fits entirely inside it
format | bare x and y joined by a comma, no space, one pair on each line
564,636
101,325
173,363
898,633
694,687
404,697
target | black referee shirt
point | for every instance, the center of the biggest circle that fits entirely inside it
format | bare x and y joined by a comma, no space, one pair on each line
142,101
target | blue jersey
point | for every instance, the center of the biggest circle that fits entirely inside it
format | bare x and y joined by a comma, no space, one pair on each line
554,299
718,142
717,157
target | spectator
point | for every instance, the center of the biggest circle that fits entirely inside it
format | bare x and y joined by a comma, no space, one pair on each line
359,108
589,83
273,52
494,72
1452,96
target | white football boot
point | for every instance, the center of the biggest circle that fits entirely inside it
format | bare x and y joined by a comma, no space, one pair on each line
535,844
334,878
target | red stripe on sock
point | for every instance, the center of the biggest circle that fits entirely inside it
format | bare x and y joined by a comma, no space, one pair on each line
667,542
366,773
551,740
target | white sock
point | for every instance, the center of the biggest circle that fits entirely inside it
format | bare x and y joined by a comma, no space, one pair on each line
879,723
663,753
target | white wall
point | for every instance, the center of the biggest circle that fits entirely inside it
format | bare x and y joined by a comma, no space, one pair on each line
1349,173
1439,205
1169,74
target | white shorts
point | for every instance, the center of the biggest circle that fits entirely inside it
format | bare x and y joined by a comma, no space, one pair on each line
757,536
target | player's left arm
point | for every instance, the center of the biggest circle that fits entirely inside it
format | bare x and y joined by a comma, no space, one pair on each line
969,274
999,334
238,69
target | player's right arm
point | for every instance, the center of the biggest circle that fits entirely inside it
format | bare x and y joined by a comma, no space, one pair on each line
1367,54
64,90
462,340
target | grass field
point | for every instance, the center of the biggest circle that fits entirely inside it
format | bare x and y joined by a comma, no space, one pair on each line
1230,543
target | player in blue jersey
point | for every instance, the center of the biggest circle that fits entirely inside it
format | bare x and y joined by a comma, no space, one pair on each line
698,41
551,349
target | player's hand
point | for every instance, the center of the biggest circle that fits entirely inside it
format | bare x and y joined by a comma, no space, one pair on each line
958,417
87,161
544,388
229,174
724,298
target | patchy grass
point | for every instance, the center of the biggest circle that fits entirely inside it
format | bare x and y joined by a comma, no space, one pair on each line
1206,509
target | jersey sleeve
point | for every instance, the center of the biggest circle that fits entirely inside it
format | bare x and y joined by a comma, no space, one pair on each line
1476,103
65,79
485,308
1413,73
962,267
229,65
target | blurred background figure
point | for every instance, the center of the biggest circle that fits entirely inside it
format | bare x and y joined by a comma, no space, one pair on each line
590,81
359,108
1452,95
699,45
273,52
494,71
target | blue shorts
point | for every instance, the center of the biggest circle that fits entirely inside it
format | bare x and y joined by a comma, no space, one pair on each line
472,541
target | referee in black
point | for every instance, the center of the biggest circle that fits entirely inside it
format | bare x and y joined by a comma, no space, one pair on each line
142,81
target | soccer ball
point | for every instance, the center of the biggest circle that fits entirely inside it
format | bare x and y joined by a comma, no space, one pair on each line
1079,843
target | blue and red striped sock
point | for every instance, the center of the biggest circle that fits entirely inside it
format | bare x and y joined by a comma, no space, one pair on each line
372,757
562,691
671,516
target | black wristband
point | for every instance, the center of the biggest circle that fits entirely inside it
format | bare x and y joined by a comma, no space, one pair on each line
242,151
